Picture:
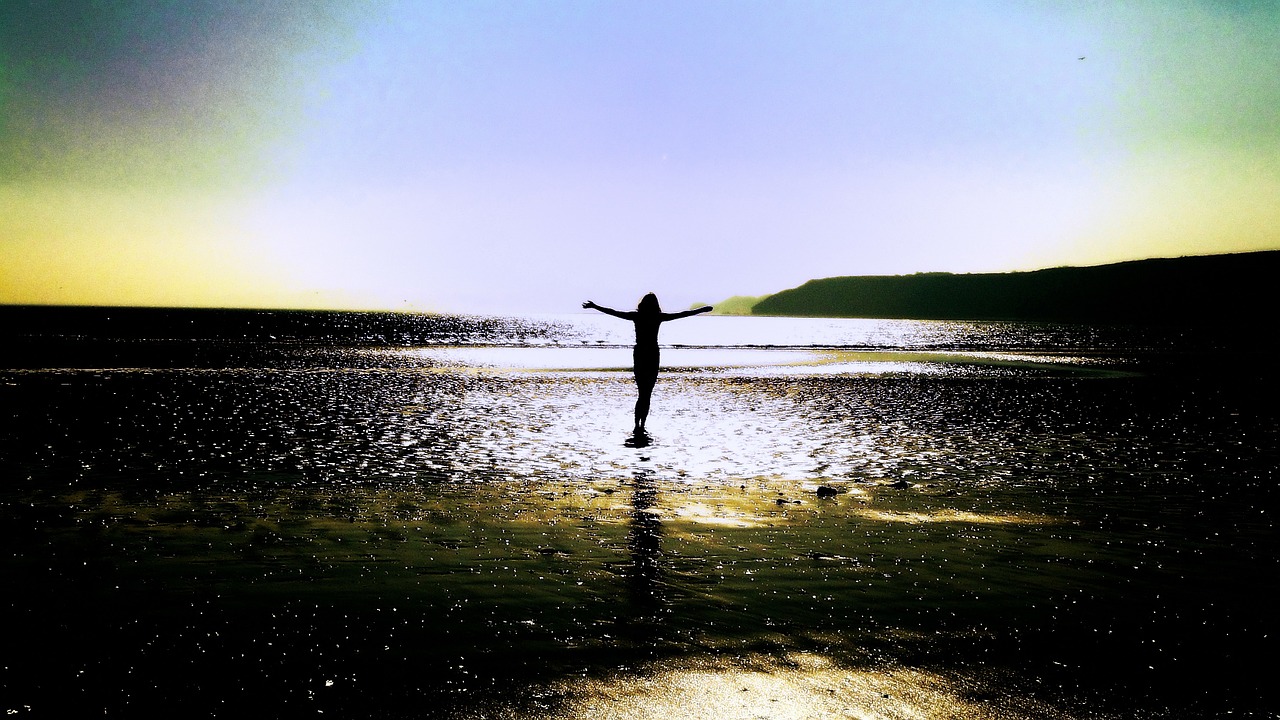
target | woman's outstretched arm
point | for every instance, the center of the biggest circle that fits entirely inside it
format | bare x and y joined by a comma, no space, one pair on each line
686,313
609,311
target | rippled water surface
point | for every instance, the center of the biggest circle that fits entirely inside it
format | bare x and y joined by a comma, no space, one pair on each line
388,516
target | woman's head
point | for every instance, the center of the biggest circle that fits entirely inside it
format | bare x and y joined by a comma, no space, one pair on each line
649,304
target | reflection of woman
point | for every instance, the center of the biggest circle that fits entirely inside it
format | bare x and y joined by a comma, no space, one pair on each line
647,316
645,542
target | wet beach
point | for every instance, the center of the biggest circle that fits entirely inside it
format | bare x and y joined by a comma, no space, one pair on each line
469,529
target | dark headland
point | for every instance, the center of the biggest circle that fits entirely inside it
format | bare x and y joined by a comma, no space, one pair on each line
1200,289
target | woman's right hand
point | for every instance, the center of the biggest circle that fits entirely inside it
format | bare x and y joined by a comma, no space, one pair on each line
589,305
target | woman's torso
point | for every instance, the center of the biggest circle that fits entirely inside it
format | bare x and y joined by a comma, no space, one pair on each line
647,333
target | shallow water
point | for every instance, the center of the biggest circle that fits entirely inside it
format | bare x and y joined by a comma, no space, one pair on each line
468,529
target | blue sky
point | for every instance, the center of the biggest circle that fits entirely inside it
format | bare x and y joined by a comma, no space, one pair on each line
509,156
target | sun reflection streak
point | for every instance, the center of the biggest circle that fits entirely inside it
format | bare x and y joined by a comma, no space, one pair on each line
950,516
799,685
601,358
703,514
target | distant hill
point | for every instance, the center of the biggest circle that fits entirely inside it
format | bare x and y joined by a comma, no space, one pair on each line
736,305
1202,289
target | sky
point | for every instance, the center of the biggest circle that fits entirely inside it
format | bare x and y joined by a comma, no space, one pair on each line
527,156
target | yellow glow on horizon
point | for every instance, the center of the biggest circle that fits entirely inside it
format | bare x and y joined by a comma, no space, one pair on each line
97,246
1189,204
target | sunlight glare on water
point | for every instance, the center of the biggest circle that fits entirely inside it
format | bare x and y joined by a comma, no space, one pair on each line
718,413
729,331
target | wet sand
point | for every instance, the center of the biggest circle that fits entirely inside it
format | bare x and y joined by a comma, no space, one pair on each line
995,539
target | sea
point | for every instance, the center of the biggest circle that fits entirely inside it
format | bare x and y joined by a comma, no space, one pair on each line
370,514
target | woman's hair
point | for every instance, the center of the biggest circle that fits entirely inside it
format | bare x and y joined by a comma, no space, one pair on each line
649,304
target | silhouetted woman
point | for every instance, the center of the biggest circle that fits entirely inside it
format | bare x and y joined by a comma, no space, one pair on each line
647,316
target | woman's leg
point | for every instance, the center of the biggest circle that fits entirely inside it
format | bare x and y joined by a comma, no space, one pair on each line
644,384
646,370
